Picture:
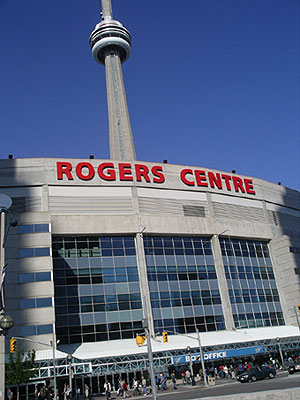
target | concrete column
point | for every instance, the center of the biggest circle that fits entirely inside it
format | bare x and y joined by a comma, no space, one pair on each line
45,198
222,282
145,293
120,134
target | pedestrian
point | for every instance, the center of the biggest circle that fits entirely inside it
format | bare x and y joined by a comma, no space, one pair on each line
173,377
135,387
163,382
49,393
125,389
86,392
107,388
157,381
78,391
226,371
232,372
144,386
183,377
10,394
188,376
42,393
119,388
66,392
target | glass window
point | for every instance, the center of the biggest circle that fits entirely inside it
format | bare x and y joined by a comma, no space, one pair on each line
23,278
23,253
187,261
44,302
27,303
84,281
25,229
41,252
27,330
43,276
254,271
34,252
36,228
44,329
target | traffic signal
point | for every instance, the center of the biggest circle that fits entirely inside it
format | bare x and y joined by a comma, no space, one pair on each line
140,339
299,307
13,345
165,337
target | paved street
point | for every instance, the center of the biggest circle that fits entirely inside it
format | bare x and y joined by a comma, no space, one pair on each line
223,387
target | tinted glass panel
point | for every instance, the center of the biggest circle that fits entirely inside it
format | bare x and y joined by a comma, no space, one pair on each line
249,272
183,284
26,278
96,276
27,303
27,330
44,302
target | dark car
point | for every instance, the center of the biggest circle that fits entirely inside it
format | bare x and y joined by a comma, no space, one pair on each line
256,374
294,368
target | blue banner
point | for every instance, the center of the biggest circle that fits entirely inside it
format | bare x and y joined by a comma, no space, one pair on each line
217,355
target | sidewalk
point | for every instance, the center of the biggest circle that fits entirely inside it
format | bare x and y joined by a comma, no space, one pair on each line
180,388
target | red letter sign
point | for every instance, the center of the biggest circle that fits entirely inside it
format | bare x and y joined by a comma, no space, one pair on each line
183,174
91,171
64,168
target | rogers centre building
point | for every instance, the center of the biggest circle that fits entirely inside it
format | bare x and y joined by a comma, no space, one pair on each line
99,242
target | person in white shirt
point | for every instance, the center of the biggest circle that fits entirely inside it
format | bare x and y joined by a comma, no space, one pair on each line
225,369
107,388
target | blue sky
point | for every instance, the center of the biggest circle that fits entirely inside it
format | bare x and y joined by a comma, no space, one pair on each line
210,83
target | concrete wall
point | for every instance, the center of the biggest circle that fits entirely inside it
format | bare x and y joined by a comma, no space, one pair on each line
112,207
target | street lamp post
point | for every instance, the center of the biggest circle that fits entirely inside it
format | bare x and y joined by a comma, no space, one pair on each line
6,322
69,358
52,342
280,351
188,349
202,358
150,357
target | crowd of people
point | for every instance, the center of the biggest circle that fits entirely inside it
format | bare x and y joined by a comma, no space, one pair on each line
143,387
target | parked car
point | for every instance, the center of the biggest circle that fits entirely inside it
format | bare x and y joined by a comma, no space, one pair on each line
256,374
294,368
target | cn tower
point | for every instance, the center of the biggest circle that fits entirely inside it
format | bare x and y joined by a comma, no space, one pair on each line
111,44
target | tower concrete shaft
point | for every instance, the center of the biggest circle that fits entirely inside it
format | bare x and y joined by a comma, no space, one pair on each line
111,45
120,134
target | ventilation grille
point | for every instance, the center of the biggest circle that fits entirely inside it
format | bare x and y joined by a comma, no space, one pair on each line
91,205
282,219
26,204
158,206
242,213
193,211
272,216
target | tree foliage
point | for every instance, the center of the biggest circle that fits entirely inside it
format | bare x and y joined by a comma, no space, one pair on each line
19,369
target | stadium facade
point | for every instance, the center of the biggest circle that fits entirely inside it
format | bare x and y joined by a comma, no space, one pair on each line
102,243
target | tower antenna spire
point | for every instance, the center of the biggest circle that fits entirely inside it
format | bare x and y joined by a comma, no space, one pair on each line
111,44
106,9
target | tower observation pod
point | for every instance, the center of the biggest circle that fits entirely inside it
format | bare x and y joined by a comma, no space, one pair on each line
111,45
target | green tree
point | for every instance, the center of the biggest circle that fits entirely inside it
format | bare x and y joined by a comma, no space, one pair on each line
19,369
